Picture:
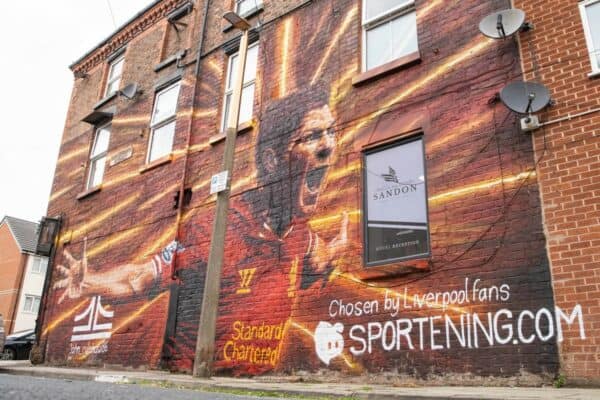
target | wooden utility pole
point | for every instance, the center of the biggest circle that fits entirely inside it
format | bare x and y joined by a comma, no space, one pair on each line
205,344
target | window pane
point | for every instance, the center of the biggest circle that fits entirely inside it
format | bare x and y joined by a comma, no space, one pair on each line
96,172
101,142
116,69
249,70
162,141
404,35
379,45
28,303
113,86
166,104
247,104
36,305
396,202
226,110
373,8
35,266
246,5
593,15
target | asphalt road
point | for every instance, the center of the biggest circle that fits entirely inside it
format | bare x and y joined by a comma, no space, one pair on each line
29,388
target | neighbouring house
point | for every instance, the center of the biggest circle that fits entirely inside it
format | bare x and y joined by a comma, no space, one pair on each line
22,274
385,214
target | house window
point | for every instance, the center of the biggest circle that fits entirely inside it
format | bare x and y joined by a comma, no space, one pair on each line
244,7
38,265
395,215
389,31
163,123
115,72
248,88
32,304
98,157
590,14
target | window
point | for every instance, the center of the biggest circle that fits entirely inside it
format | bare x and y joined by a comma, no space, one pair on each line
389,31
114,75
32,304
98,156
163,123
590,14
248,88
246,6
38,265
395,217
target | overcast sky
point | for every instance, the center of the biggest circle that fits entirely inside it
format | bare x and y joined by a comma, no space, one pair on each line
40,39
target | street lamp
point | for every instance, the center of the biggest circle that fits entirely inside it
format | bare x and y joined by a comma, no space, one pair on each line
205,344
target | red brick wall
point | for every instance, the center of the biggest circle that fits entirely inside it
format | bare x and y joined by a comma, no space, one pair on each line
11,270
484,209
569,154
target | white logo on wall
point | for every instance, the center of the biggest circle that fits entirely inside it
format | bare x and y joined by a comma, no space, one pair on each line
329,341
93,330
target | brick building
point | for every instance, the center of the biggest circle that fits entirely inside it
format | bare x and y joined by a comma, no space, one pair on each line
385,215
566,47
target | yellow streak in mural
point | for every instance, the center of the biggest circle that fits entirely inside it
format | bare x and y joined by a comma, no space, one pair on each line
309,333
72,154
407,298
284,70
330,218
61,192
343,172
134,119
342,87
318,29
103,216
158,244
473,123
424,12
205,113
119,179
164,192
125,322
481,186
334,42
468,52
215,68
63,316
91,252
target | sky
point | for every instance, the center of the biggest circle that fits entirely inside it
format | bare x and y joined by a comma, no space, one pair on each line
39,40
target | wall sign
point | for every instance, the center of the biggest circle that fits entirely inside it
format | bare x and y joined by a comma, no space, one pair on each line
218,182
396,225
121,156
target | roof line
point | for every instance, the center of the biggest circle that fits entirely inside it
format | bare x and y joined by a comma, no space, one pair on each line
4,220
114,33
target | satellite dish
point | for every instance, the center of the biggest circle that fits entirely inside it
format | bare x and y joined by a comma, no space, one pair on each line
129,91
502,24
525,97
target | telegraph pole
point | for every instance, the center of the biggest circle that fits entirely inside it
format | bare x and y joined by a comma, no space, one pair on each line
205,344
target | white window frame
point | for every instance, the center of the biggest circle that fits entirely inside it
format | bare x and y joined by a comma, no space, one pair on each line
169,119
31,309
115,79
229,90
36,265
367,24
96,158
594,54
256,5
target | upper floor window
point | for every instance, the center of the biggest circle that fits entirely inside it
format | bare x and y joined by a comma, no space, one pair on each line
38,265
590,14
247,102
245,6
115,71
389,31
395,212
98,156
32,304
163,122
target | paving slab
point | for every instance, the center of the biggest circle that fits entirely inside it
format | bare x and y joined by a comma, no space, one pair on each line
300,388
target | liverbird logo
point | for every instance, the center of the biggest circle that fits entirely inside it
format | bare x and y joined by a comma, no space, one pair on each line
391,177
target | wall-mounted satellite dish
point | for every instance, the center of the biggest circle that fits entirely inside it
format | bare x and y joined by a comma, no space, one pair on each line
129,91
502,24
525,97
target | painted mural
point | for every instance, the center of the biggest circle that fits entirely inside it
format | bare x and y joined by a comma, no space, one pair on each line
295,292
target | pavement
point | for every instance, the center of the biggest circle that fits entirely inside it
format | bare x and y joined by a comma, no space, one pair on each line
281,388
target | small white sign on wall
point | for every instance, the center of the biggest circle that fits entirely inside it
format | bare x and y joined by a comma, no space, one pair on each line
218,182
